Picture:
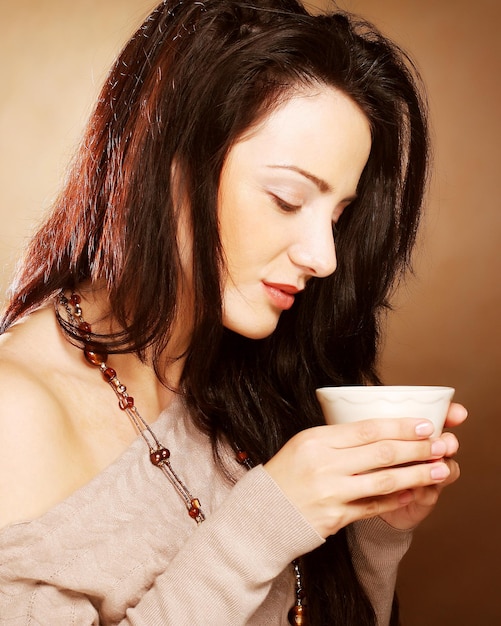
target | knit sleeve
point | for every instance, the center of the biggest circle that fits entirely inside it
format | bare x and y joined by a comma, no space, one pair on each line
225,570
222,574
377,549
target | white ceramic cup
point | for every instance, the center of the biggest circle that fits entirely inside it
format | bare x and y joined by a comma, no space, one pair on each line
341,405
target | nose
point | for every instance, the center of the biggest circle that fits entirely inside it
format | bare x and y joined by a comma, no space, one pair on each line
314,249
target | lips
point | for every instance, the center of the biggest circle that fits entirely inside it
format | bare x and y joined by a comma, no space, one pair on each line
282,296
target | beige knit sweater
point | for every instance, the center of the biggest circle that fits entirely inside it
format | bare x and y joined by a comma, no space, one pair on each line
122,549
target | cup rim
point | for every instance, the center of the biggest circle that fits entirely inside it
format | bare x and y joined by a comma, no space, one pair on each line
384,388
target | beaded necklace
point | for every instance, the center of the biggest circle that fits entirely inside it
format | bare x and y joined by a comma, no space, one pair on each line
159,455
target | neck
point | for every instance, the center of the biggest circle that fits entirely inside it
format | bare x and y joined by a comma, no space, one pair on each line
138,374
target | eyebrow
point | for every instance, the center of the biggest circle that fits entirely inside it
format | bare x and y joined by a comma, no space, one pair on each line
322,185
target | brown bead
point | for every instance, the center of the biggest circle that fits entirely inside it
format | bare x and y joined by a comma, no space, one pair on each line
75,299
84,328
296,616
94,357
159,455
126,403
242,456
109,374
194,512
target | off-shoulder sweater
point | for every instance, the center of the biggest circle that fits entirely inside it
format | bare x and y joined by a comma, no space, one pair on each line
122,549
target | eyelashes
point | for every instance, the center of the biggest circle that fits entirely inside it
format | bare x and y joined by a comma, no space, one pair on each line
287,207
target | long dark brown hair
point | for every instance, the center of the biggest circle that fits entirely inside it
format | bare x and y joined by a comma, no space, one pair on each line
189,83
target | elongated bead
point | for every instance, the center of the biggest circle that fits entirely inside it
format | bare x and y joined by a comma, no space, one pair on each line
297,615
94,357
109,374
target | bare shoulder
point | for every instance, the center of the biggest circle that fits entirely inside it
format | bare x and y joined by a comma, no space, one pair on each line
58,428
35,465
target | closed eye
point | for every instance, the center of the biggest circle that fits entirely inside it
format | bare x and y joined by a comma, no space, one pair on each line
286,206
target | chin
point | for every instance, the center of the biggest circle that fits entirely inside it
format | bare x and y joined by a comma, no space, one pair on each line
257,335
252,331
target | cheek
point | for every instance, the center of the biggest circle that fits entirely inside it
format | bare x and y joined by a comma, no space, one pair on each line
249,249
239,237
251,231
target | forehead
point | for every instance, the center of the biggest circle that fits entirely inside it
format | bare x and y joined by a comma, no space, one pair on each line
294,92
316,128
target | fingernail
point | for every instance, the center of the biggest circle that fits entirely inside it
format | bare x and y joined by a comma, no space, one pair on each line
440,472
424,429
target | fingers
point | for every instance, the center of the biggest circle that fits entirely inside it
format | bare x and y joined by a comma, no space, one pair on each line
407,509
456,415
451,444
401,509
369,431
380,443
397,479
328,447
426,497
386,506
391,453
415,506
454,473
337,474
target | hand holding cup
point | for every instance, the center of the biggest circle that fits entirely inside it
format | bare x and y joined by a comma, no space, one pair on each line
392,468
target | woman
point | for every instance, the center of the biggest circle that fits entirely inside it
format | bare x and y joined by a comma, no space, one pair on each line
245,197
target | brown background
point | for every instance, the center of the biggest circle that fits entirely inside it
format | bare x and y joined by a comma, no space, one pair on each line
446,328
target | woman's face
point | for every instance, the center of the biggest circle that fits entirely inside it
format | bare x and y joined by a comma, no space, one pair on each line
282,188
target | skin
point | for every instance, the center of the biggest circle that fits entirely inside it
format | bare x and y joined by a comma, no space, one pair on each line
280,194
281,190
